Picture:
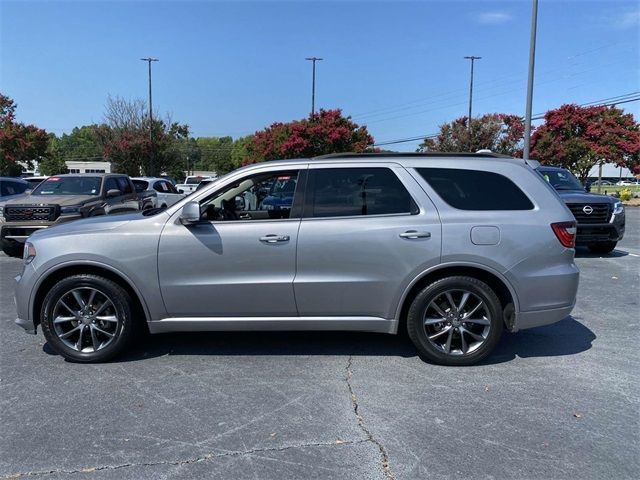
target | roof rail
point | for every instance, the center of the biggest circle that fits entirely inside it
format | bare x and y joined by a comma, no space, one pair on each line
482,154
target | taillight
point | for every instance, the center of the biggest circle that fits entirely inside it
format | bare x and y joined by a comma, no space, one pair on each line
566,233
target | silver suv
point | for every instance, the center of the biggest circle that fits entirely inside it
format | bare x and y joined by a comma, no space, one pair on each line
450,248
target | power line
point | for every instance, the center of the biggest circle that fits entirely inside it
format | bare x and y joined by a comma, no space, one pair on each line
535,117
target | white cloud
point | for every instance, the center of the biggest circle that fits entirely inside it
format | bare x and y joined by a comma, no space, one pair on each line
629,19
493,18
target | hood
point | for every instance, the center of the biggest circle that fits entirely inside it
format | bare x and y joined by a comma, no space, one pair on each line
62,200
88,225
577,196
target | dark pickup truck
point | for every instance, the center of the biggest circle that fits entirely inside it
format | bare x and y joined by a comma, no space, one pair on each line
600,217
63,198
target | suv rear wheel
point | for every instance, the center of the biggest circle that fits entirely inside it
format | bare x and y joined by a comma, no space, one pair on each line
455,321
87,318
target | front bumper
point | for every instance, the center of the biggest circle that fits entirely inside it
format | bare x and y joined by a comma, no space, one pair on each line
20,231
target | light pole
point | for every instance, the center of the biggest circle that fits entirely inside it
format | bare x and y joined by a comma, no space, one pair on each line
473,59
313,84
151,162
532,61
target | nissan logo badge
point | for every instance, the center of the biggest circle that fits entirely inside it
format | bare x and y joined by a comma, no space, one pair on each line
588,209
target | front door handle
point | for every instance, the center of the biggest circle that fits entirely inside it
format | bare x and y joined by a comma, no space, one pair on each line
412,234
274,238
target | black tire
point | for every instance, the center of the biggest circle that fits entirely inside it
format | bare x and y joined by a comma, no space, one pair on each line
604,247
13,249
459,331
120,308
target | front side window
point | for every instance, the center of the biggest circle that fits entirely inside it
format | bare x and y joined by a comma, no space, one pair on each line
259,197
124,185
475,189
7,187
111,184
340,192
69,186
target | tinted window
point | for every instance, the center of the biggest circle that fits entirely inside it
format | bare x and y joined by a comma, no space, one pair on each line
8,187
140,185
160,187
125,186
339,192
561,179
475,189
69,186
111,184
170,187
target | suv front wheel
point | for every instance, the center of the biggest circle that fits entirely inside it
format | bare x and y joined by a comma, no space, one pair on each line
455,321
87,318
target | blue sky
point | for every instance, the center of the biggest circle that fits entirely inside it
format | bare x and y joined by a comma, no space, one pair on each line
230,68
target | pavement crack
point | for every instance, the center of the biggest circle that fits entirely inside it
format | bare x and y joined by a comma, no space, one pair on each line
386,468
187,461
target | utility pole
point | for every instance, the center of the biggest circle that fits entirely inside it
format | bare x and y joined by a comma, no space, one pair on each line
313,84
152,159
473,59
532,61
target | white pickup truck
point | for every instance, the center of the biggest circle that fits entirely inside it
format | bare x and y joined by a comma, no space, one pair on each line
191,183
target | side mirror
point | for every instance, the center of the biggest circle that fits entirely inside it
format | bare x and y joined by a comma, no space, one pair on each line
190,213
240,203
180,190
113,193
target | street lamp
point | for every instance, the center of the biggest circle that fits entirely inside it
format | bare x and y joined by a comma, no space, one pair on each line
152,163
473,59
313,84
532,59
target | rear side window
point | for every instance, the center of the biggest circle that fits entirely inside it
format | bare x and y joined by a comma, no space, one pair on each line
475,189
340,192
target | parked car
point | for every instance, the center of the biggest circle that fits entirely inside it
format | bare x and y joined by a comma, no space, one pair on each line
600,182
11,187
628,182
279,199
450,248
166,194
61,199
191,183
601,219
34,181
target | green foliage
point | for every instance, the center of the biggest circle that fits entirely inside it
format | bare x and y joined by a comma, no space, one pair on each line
626,194
216,154
240,152
81,144
498,132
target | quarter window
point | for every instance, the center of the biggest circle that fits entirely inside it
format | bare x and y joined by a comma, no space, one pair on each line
475,189
341,192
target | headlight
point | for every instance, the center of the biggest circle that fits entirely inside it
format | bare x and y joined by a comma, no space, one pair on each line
1,213
70,210
29,253
618,208
268,206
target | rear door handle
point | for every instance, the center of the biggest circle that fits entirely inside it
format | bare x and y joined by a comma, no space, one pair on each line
274,238
412,234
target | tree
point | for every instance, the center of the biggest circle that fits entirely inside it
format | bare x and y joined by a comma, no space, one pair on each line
126,140
52,163
498,132
577,138
216,154
322,133
81,144
240,151
18,142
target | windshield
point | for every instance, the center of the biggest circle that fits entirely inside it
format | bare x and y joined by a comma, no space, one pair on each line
561,179
69,186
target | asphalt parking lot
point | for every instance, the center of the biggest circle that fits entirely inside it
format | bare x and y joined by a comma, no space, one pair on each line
555,402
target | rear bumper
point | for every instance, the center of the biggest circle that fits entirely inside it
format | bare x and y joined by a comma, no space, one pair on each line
540,318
